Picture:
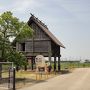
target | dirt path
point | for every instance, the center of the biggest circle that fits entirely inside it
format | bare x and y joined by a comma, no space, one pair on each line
78,80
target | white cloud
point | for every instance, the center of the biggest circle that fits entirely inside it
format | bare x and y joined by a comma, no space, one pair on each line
21,6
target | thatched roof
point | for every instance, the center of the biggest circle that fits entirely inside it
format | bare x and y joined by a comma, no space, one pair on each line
45,29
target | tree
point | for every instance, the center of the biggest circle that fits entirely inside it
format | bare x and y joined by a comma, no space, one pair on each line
12,27
87,61
18,58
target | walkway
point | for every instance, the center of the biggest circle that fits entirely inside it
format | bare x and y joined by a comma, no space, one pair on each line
78,80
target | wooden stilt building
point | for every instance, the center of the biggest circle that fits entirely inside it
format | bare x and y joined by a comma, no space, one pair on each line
43,42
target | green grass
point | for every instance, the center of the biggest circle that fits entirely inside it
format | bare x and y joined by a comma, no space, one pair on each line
71,65
74,65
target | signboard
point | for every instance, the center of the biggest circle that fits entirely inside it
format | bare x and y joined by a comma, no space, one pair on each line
40,61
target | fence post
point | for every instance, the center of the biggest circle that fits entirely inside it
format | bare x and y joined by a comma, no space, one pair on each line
14,79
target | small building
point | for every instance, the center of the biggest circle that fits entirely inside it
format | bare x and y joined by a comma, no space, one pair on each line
43,43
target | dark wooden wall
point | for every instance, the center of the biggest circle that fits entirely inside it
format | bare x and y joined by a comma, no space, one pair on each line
55,49
40,43
39,33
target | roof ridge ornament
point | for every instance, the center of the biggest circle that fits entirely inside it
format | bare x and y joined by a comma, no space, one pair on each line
32,14
39,21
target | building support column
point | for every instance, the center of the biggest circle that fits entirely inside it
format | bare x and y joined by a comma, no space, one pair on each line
25,67
49,52
50,58
59,66
32,63
54,63
34,60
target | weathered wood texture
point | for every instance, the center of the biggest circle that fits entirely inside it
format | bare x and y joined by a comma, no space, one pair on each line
40,43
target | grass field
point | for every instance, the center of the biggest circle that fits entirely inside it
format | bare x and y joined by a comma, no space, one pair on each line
27,78
71,64
74,65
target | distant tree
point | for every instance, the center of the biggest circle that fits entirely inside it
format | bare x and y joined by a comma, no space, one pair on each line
87,61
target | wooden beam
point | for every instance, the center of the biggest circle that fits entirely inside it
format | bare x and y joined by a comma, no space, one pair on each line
49,52
32,63
59,66
54,63
25,67
50,58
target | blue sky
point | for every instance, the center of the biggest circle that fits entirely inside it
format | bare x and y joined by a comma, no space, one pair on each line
68,20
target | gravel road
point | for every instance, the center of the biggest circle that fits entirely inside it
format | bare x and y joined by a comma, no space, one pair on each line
79,79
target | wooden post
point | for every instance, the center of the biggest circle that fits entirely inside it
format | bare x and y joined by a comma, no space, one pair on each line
59,66
49,52
34,59
32,63
14,82
54,63
50,58
0,71
1,59
25,67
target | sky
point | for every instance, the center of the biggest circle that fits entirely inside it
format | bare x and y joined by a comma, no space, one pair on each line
68,20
